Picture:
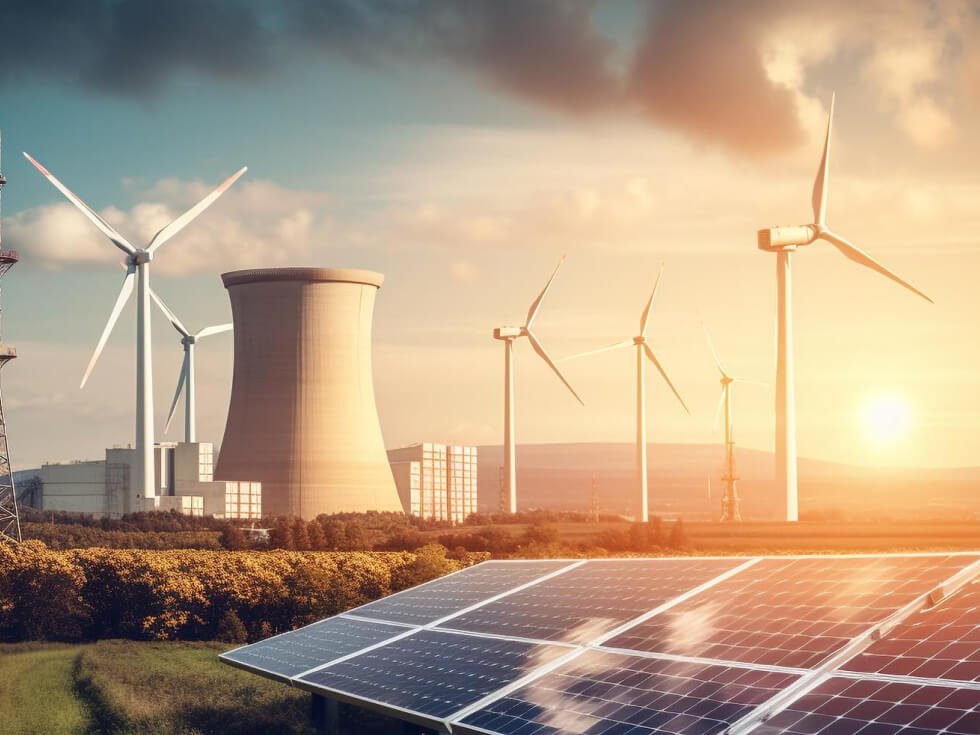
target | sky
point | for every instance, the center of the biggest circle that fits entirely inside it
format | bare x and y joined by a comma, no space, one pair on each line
461,149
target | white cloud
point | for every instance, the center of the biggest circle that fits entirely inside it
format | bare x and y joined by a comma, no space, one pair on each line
254,224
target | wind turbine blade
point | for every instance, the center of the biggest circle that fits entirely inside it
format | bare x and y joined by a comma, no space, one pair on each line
721,402
178,325
714,353
216,329
124,293
180,386
645,317
859,256
820,184
539,348
746,381
607,348
187,217
118,240
659,367
536,304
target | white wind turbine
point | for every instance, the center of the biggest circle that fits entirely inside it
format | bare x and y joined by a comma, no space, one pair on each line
642,349
186,379
730,500
783,241
137,264
508,335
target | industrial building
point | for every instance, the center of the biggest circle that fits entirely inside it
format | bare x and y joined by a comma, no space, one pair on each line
436,481
185,483
302,418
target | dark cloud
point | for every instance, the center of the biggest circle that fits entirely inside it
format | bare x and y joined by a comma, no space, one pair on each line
699,68
696,65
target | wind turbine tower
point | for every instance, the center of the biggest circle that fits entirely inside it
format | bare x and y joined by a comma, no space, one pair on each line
9,516
508,335
137,263
784,241
643,352
186,381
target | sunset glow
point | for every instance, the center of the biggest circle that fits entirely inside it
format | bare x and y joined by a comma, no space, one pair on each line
886,419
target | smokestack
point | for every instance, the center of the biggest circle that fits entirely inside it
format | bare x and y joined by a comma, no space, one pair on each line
302,418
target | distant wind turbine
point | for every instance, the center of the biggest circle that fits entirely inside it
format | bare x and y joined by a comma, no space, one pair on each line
783,241
137,264
186,380
730,501
507,335
642,349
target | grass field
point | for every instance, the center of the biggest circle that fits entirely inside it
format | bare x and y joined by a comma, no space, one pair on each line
125,687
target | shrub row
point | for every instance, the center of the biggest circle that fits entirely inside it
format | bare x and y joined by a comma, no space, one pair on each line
90,594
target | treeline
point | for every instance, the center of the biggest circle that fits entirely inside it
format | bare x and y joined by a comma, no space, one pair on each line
91,594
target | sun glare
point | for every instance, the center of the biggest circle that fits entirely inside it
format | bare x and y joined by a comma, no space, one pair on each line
886,419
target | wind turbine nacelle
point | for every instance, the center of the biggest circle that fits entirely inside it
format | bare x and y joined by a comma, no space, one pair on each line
786,238
506,332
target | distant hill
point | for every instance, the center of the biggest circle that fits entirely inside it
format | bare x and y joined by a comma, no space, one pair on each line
559,477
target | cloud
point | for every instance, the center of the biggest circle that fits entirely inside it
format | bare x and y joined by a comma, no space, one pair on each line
743,77
254,224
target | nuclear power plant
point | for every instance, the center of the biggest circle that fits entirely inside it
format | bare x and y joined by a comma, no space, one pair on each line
302,419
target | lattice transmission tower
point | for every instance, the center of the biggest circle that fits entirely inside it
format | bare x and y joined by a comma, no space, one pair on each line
9,517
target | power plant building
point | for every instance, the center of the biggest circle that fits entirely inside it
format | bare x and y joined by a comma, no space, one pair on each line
302,418
436,481
185,483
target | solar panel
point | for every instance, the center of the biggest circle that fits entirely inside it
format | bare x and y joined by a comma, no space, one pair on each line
941,642
790,612
615,694
284,656
842,706
431,673
444,596
584,602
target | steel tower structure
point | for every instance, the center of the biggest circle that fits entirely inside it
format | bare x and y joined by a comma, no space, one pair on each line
9,517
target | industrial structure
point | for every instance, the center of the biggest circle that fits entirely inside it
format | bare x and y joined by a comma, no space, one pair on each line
784,241
436,481
185,472
302,418
186,380
508,335
9,516
137,264
643,352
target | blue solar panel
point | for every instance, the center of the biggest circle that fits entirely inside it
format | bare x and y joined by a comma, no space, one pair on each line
583,603
790,612
432,673
434,600
284,656
842,706
616,694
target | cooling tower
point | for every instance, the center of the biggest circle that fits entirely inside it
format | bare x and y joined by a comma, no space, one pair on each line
302,418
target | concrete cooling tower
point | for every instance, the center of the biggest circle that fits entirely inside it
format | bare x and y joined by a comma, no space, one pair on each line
302,417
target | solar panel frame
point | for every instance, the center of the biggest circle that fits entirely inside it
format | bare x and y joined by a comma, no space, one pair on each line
404,670
747,601
555,610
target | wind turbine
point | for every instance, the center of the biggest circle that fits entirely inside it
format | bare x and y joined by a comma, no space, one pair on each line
642,349
730,501
186,380
137,264
783,241
508,335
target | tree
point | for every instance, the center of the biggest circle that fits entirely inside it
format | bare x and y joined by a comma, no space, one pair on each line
233,538
318,540
301,535
430,562
678,536
281,534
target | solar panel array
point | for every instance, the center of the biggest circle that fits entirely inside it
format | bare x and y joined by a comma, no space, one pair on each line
835,645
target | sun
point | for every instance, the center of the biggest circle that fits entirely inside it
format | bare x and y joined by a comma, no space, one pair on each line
886,418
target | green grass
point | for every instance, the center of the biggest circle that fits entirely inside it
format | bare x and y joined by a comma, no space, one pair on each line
125,687
37,693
